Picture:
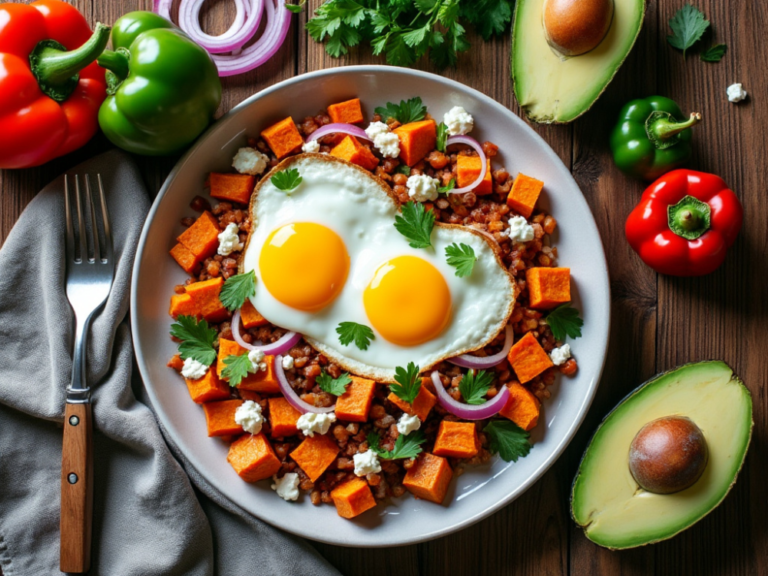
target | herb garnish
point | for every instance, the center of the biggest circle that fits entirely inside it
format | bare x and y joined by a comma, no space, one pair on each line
564,320
236,368
296,8
508,439
407,111
403,169
196,339
335,386
286,180
442,137
448,187
352,331
462,257
688,25
237,289
416,224
474,386
408,383
714,53
406,445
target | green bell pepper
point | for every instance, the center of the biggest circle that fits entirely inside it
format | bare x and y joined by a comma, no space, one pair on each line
651,137
163,89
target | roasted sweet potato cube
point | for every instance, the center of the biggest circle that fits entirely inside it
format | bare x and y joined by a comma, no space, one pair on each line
467,171
351,150
456,439
252,457
315,454
220,417
528,359
283,137
428,478
524,194
183,305
282,417
355,403
523,408
231,187
423,404
264,381
208,388
205,296
548,287
352,498
348,112
202,238
185,258
417,139
176,363
250,317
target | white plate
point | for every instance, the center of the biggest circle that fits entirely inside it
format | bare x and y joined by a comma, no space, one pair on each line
480,490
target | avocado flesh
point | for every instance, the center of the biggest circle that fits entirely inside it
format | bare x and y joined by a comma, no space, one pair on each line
607,501
553,89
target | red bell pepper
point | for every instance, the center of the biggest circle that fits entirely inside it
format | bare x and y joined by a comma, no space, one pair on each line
685,223
50,85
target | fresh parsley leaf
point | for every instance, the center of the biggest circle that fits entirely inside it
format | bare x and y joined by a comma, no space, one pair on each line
564,320
406,445
408,383
196,339
442,136
489,17
474,386
508,439
407,111
237,289
295,8
447,188
286,180
236,368
361,334
461,257
688,25
403,169
335,386
416,224
714,53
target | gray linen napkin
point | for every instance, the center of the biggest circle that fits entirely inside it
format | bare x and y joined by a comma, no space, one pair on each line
148,519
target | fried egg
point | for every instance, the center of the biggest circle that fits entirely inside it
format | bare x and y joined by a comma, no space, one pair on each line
328,252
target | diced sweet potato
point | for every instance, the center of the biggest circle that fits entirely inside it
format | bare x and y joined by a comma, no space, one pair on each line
202,238
456,439
282,417
428,478
183,305
522,408
351,150
417,139
423,404
315,454
185,258
283,137
252,457
352,498
467,171
355,403
176,363
208,388
348,112
548,287
264,381
528,359
524,194
231,187
250,317
220,417
205,296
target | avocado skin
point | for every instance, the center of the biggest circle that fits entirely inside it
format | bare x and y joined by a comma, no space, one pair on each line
626,398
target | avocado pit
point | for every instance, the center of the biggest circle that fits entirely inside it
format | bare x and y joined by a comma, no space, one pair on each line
575,27
668,455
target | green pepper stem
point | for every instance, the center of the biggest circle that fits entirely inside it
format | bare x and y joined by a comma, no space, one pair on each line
663,129
56,67
116,62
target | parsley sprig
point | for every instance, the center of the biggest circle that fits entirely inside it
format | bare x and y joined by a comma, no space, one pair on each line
237,289
565,321
196,339
714,53
335,386
406,445
448,187
474,386
507,439
403,169
408,383
236,368
416,224
286,180
411,110
462,257
688,25
352,331
442,137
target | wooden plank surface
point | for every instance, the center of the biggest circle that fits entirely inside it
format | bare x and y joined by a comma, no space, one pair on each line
658,322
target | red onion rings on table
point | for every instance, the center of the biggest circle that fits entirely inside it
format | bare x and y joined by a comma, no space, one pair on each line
290,394
471,142
288,341
338,128
242,30
469,411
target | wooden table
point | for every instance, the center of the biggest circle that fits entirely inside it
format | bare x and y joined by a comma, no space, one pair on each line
658,322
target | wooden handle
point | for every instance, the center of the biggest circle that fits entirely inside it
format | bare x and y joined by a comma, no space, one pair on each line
76,489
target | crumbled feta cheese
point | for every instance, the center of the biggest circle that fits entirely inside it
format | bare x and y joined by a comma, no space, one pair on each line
257,360
248,415
310,423
519,230
376,128
560,355
422,188
736,93
366,463
408,423
311,146
388,144
250,161
287,487
193,369
458,121
287,362
229,241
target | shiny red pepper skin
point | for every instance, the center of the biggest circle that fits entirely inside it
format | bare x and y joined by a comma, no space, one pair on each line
649,234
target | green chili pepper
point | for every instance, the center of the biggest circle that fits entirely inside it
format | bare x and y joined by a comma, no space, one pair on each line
163,89
651,137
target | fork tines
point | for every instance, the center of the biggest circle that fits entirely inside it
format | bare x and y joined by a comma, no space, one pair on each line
91,238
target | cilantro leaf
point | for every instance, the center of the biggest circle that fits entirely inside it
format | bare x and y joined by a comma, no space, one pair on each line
714,53
406,445
237,289
564,320
361,334
236,368
461,257
688,25
407,111
442,136
447,188
286,180
416,224
196,339
335,386
408,383
508,439
474,386
403,169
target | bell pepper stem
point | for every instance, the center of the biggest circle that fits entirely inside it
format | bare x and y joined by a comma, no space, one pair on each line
689,218
116,62
664,129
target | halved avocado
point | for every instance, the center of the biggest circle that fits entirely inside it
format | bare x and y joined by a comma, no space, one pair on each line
608,503
554,89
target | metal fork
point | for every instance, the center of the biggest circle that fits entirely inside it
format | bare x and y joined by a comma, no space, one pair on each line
90,270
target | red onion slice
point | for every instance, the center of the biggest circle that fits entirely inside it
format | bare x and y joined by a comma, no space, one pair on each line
479,362
163,8
338,128
479,149
288,341
242,30
290,394
469,411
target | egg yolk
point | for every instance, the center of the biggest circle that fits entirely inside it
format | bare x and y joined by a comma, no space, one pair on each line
408,301
304,265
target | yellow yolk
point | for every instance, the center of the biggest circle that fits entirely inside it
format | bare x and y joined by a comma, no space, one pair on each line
304,265
408,301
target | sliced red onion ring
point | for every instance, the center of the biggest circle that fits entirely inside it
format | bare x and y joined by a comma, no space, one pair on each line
480,362
338,128
469,411
290,394
242,30
288,341
479,149
163,8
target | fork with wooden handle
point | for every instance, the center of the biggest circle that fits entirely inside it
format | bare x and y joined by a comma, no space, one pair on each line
90,269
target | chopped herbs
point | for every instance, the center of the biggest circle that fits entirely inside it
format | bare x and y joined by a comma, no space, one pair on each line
406,445
447,188
236,368
507,439
237,289
196,339
714,53
442,136
416,224
408,383
688,25
295,8
474,386
352,331
335,386
403,169
286,180
407,111
564,321
461,257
